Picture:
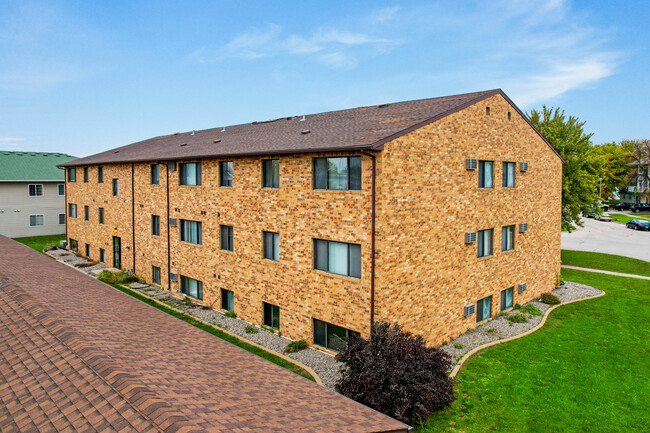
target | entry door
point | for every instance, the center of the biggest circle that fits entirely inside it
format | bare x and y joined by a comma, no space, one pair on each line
117,252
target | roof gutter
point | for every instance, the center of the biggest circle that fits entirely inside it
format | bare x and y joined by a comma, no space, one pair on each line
372,237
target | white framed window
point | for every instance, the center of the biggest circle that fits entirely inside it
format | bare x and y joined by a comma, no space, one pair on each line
337,258
35,190
35,220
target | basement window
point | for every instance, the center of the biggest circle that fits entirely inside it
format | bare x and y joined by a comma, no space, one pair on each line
484,309
192,287
330,336
271,316
507,298
227,300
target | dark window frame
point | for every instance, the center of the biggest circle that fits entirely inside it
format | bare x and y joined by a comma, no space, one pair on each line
182,174
227,300
155,225
100,174
72,175
35,188
271,173
321,179
508,168
87,250
102,255
480,309
226,173
323,341
504,298
155,275
273,248
72,210
35,220
116,187
86,213
269,316
505,245
61,220
480,242
188,224
185,289
316,258
228,245
101,213
155,174
482,175
58,189
86,175
74,245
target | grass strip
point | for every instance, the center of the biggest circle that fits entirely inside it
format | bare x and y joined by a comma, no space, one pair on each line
39,243
607,262
218,333
623,218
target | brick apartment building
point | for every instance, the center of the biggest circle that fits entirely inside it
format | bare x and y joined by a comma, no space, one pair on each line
436,214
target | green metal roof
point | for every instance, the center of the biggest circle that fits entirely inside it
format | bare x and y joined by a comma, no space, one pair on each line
32,166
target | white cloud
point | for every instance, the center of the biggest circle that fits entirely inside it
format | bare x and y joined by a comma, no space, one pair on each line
384,15
11,142
333,47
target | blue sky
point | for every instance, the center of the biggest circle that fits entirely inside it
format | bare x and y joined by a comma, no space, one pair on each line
83,77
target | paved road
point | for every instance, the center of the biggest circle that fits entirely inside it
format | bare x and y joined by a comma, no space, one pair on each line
609,238
78,355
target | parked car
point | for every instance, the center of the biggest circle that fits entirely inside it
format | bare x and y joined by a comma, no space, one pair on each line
622,206
604,207
605,216
640,207
638,224
589,213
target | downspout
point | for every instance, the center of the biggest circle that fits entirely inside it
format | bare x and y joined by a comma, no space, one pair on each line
65,192
133,214
169,255
372,239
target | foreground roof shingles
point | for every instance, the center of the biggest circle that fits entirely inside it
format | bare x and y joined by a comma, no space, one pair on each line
77,355
353,129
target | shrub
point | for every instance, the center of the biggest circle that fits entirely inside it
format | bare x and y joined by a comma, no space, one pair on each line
117,277
230,314
518,318
187,301
395,373
516,307
458,346
296,346
130,278
531,309
251,330
550,299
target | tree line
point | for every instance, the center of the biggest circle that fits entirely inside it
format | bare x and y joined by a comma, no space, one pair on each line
591,172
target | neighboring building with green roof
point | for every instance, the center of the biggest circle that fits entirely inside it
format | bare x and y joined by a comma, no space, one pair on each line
32,193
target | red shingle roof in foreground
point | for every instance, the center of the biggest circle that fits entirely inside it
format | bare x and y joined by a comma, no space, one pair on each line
77,355
354,129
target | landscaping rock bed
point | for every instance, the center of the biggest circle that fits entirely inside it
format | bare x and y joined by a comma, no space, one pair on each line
500,327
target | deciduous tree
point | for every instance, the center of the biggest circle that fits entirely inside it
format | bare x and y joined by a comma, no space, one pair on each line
615,169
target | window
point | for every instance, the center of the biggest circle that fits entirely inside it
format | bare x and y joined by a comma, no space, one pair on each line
227,300
331,336
61,188
484,242
225,173
100,174
271,246
271,173
116,187
86,213
35,190
35,220
509,174
191,287
484,309
190,173
485,174
508,238
506,298
155,225
271,316
155,174
226,238
337,173
155,275
73,244
85,174
87,250
101,215
337,257
72,175
102,255
190,232
72,210
61,218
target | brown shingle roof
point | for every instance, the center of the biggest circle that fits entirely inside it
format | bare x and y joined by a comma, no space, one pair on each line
353,129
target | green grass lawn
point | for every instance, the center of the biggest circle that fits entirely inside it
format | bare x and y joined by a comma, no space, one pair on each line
586,370
40,242
608,262
623,218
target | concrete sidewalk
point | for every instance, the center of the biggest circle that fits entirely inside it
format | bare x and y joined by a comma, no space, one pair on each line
600,271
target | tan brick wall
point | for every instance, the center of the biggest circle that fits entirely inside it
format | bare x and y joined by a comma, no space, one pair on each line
428,200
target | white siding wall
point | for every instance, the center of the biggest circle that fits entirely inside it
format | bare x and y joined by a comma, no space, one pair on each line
16,206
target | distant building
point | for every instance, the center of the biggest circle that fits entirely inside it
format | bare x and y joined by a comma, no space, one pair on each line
436,214
32,193
639,192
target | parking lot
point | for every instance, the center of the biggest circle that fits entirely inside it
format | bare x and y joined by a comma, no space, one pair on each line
609,238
